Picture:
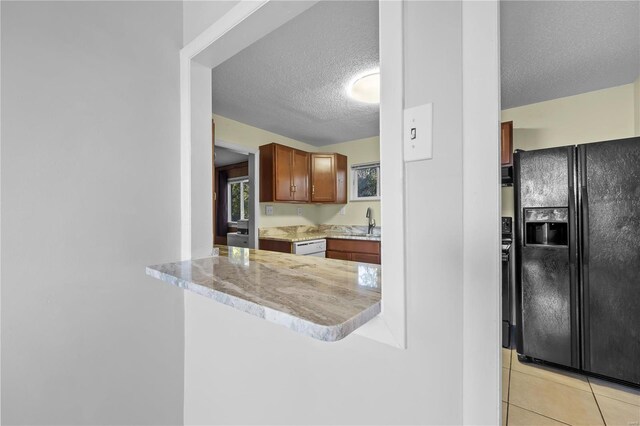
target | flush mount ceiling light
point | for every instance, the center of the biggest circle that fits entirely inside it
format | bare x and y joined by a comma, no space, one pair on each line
366,88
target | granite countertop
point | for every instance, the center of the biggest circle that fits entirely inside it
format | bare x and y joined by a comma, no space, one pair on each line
326,299
294,234
297,237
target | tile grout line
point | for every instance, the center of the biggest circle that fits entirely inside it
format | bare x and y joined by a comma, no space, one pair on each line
555,382
597,403
540,414
552,381
615,398
561,384
561,373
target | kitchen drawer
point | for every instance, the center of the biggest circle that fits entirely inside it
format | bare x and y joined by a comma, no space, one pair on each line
365,258
274,245
353,246
338,255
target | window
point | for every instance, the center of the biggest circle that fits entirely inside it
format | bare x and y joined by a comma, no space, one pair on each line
365,181
238,199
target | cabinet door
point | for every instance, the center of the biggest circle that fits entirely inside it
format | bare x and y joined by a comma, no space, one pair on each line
283,172
506,143
300,175
323,178
338,255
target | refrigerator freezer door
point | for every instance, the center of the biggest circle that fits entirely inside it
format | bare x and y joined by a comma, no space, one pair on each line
609,175
546,279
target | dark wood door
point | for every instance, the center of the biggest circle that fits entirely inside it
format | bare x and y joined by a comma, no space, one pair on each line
283,173
323,178
214,201
506,143
300,175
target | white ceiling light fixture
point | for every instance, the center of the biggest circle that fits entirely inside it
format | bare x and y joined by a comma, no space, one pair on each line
366,87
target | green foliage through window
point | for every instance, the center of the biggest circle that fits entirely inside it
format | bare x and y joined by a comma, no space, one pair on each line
238,193
365,181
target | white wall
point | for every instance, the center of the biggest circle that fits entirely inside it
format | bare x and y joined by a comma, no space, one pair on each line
240,369
201,158
482,361
90,187
198,15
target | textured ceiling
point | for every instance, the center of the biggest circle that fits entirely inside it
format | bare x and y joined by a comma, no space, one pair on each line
225,156
552,49
293,81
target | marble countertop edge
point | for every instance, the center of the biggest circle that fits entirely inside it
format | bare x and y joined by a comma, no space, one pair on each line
327,333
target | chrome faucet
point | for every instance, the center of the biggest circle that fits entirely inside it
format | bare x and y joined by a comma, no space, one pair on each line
372,222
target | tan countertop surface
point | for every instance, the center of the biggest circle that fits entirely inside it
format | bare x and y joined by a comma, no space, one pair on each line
295,234
297,237
326,299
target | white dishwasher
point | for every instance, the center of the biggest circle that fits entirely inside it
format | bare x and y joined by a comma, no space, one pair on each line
310,248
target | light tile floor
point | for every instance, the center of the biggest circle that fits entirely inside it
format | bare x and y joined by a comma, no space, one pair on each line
537,395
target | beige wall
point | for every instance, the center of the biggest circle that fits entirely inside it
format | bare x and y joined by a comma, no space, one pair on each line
589,117
284,214
252,137
357,152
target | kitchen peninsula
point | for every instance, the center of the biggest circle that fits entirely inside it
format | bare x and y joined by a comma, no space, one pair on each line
326,299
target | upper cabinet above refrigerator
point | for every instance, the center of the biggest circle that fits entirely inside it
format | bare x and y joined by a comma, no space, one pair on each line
506,152
506,143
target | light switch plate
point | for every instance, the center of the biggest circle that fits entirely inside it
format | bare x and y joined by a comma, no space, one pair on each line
299,211
418,133
268,210
343,210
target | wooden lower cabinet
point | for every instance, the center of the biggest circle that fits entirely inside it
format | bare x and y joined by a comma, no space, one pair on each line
337,248
354,250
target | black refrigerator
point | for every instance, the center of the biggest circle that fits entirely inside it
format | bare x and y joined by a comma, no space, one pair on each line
577,211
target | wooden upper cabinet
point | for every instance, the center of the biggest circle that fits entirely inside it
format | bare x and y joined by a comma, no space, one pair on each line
284,174
506,143
291,175
328,178
283,168
300,175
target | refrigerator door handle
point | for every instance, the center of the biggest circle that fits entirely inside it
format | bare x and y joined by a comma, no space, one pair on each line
585,226
584,258
574,263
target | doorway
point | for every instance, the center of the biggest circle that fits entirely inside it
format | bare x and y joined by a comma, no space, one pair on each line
235,172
